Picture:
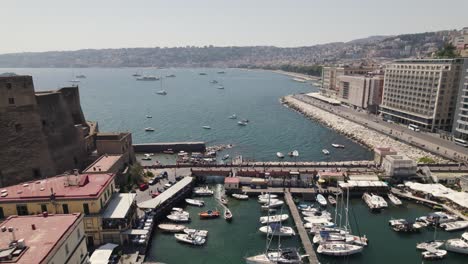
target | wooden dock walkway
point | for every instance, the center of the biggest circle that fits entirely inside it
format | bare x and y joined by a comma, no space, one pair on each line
309,249
281,190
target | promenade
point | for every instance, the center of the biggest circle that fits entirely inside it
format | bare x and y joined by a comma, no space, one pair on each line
372,131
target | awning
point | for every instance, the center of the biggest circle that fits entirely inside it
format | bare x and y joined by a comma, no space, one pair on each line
135,232
119,205
102,254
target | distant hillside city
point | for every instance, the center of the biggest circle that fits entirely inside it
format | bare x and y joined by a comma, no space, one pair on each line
371,50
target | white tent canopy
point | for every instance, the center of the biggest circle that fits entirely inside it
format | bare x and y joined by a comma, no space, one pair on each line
102,254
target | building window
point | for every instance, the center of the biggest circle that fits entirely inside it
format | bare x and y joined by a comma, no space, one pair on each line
86,209
36,173
11,100
65,208
18,128
2,214
43,207
22,209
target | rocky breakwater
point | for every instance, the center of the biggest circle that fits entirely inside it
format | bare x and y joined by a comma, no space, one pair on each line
357,132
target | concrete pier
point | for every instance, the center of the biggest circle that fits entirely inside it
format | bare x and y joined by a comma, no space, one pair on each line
309,249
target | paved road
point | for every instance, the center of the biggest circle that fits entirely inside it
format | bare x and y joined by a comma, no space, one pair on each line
428,141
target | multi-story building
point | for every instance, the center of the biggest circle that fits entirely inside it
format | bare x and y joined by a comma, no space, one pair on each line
460,124
461,42
422,92
330,75
107,215
58,238
361,91
41,133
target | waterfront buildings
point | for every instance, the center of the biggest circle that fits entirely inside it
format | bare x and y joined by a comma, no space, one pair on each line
399,166
361,91
107,215
461,42
330,75
58,238
422,92
460,124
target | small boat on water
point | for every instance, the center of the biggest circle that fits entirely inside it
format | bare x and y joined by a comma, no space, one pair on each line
170,76
147,78
241,123
266,200
311,215
162,92
178,218
220,87
213,81
321,200
279,155
433,253
317,220
194,202
266,196
221,72
149,129
196,232
171,228
202,73
407,227
315,226
193,240
394,199
337,145
136,74
148,116
325,237
206,127
454,226
146,157
176,210
331,200
233,116
281,256
203,191
325,151
374,202
223,200
81,76
317,229
459,245
277,230
339,249
225,157
273,204
240,196
274,218
209,214
74,81
227,214
245,120
430,244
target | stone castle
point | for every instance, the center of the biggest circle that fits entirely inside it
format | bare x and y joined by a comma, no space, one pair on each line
45,133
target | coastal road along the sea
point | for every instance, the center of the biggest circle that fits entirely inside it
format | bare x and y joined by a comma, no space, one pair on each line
426,141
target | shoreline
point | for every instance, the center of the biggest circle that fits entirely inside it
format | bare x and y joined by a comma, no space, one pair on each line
356,132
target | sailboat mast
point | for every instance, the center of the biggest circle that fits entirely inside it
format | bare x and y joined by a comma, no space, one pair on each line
346,209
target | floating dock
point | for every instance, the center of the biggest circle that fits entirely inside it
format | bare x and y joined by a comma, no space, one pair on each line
309,249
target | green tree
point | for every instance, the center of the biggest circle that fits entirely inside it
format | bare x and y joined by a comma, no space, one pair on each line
136,173
448,51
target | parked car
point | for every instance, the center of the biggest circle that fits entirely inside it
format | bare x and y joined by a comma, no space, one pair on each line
167,185
143,186
155,194
153,181
178,178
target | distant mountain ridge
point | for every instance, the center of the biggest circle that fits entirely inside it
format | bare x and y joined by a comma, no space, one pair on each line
370,48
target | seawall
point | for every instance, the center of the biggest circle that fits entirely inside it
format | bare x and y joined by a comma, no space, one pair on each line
174,146
357,132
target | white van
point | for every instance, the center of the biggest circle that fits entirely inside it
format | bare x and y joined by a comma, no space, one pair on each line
414,127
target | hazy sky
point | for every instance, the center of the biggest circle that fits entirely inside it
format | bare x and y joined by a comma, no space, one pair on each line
41,25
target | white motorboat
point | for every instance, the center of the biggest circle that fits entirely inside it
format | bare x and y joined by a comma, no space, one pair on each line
274,218
195,232
194,240
454,226
266,196
441,218
162,92
339,249
233,116
311,215
309,209
227,214
176,210
146,157
213,81
240,196
242,123
317,226
337,145
279,155
283,256
147,78
178,218
225,157
220,87
325,151
81,76
171,228
321,200
317,229
429,244
149,129
148,116
374,202
394,199
459,245
295,153
277,230
170,76
273,204
266,200
203,191
394,222
433,253
206,127
325,237
315,220
74,81
194,202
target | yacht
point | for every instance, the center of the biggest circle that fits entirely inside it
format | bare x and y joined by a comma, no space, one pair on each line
240,196
440,218
242,123
176,210
149,129
279,155
325,151
227,214
233,116
433,253
325,237
273,204
194,240
277,230
171,228
429,244
206,127
337,145
274,218
454,226
374,202
283,256
317,229
149,116
266,200
339,249
406,227
147,78
203,191
195,232
266,196
162,92
194,202
394,199
459,245
317,220
220,87
311,215
321,200
178,218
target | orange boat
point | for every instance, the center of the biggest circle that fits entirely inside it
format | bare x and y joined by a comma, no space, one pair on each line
209,214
